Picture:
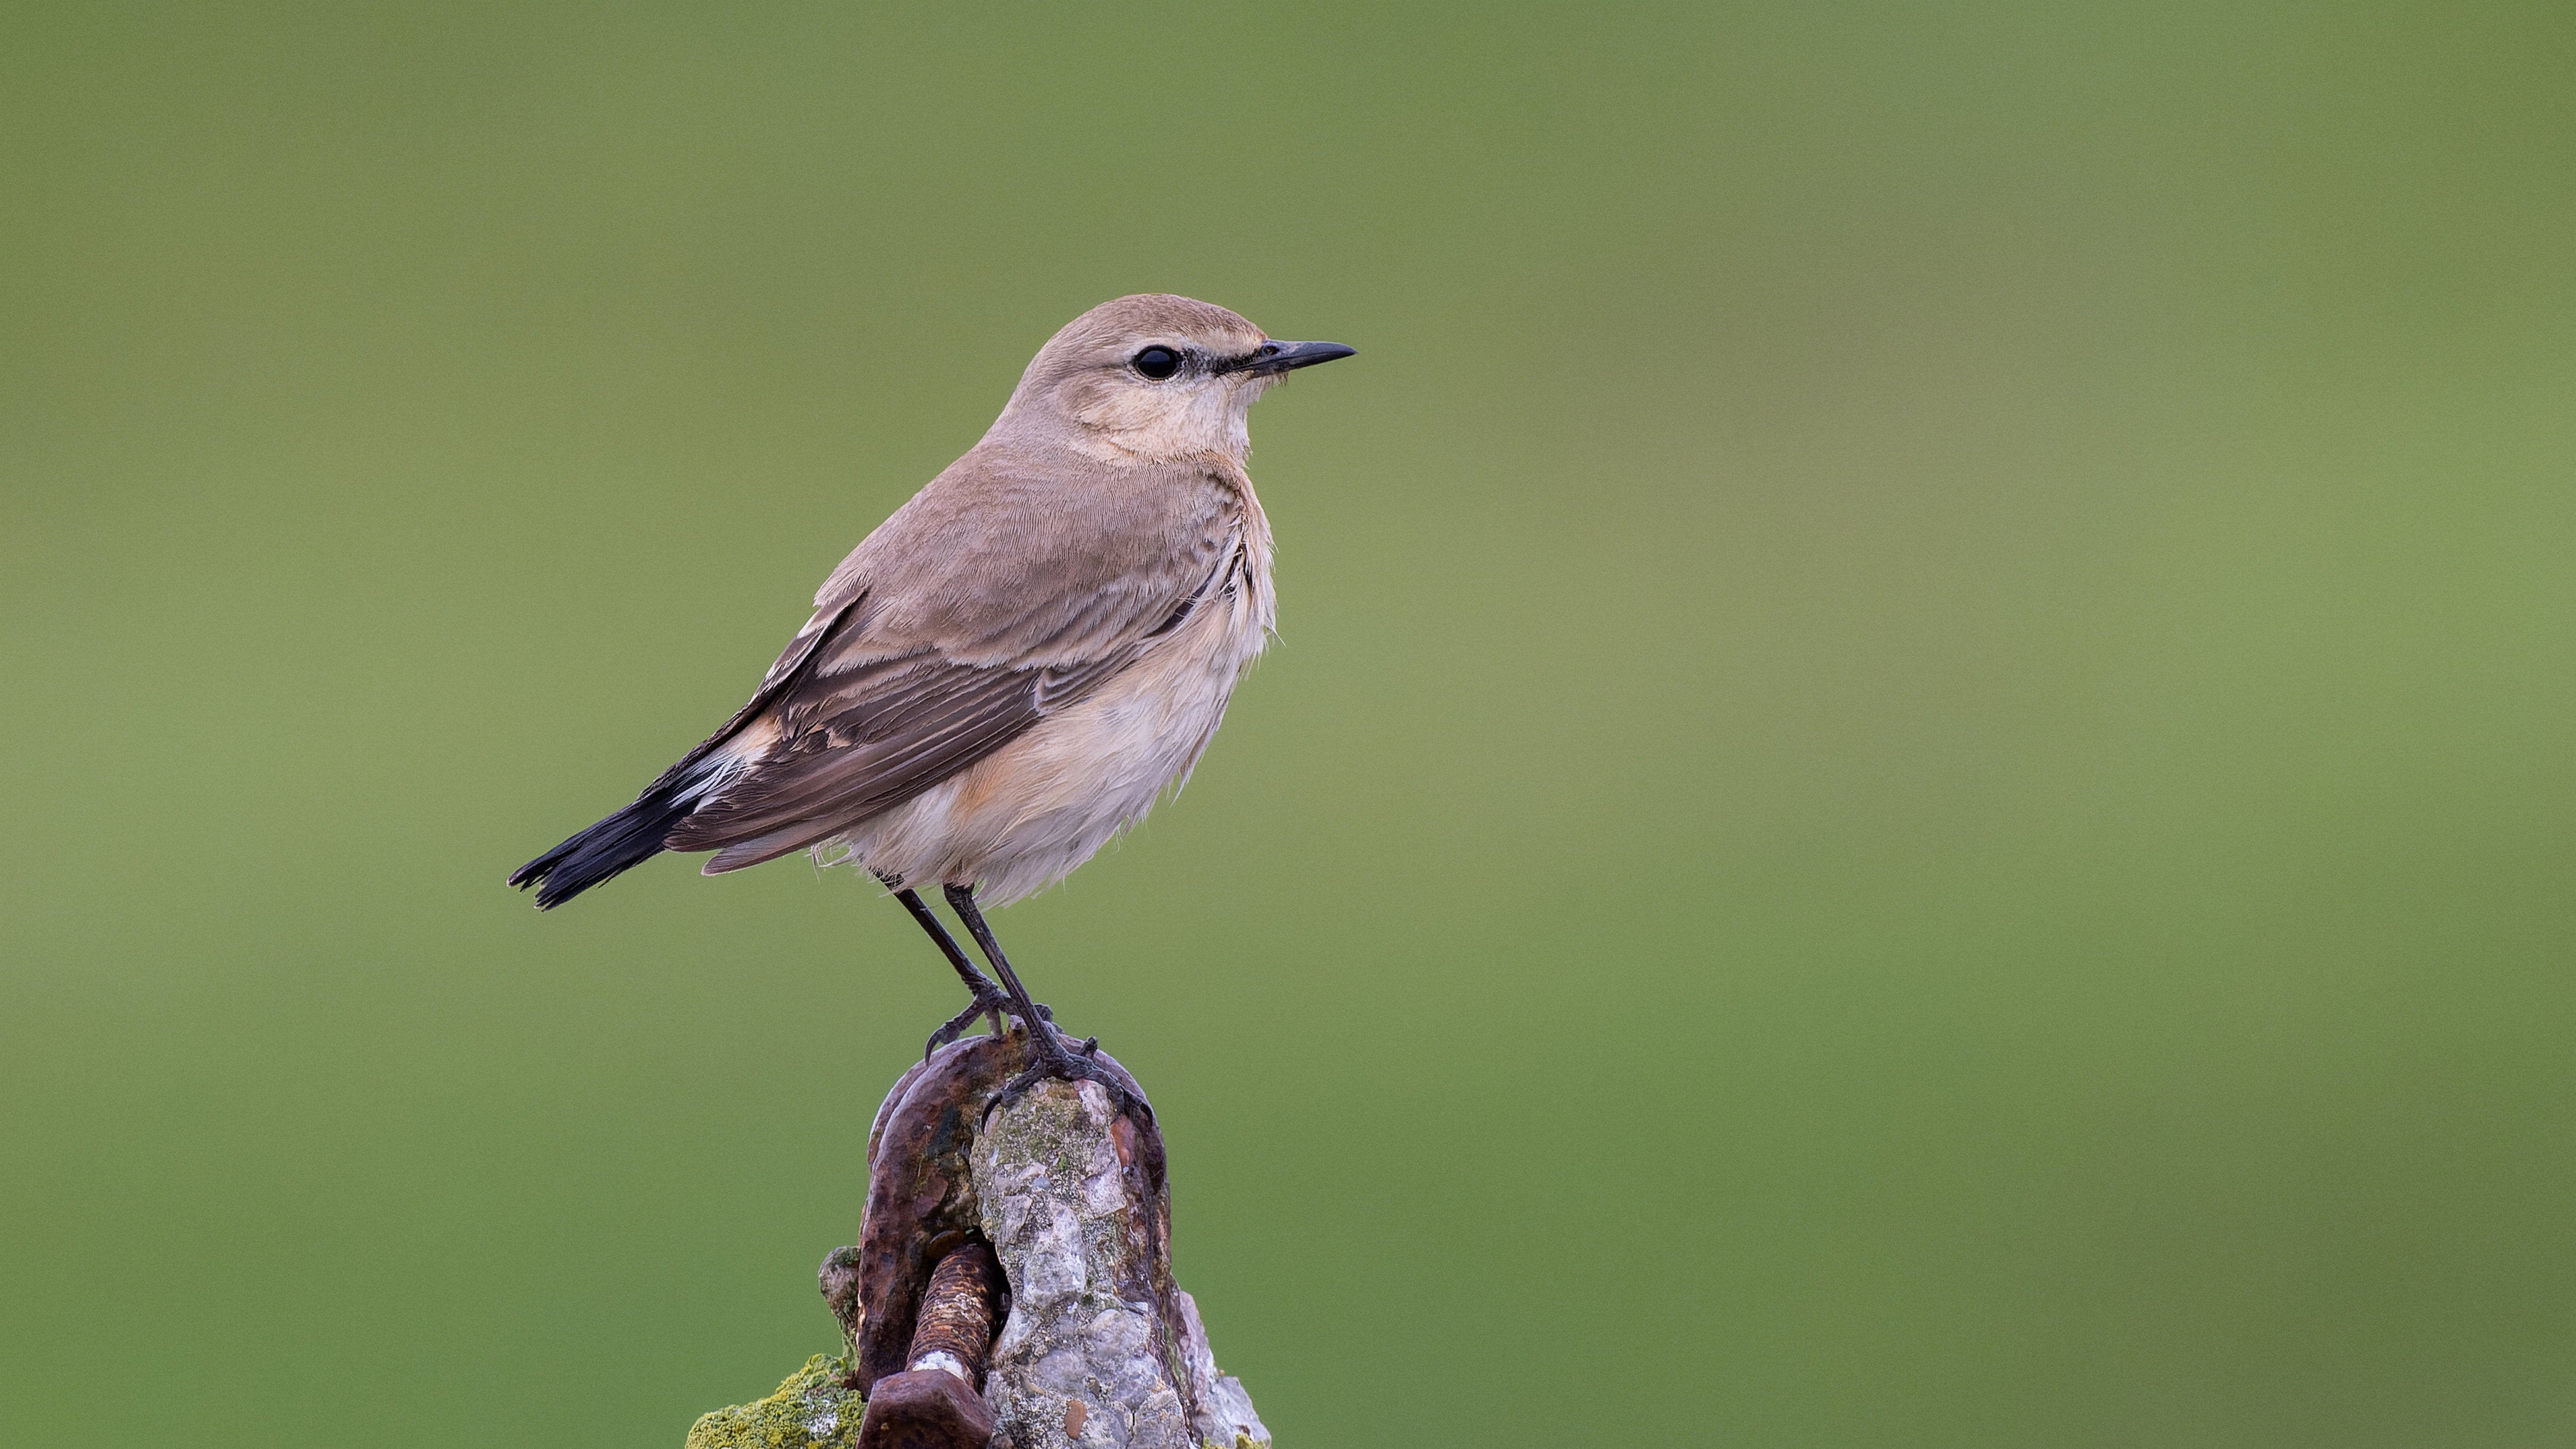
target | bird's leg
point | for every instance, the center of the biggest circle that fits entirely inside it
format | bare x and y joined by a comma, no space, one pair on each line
1042,1032
1051,1057
990,1000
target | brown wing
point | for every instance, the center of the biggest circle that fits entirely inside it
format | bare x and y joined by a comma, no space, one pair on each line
857,741
1000,594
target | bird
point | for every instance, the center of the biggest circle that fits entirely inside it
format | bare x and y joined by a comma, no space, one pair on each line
1013,667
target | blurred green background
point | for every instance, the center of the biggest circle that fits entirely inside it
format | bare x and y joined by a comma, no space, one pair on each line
1917,788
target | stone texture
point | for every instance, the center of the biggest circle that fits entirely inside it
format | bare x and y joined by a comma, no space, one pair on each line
1101,1348
1223,1415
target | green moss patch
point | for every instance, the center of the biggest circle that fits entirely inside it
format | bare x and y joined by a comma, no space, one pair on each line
810,1411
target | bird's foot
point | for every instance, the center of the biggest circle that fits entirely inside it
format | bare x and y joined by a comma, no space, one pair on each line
994,1003
1077,1063
953,1028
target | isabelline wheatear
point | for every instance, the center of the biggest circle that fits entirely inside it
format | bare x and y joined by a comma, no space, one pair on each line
1013,667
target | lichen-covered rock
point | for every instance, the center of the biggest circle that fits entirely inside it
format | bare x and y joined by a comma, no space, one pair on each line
1101,1350
1098,1349
811,1410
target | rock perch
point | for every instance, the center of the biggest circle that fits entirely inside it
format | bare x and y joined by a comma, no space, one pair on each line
1097,1346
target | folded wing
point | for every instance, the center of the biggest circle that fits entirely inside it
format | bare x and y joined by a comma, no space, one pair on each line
857,740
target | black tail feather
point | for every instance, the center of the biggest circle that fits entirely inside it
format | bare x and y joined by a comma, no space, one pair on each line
619,843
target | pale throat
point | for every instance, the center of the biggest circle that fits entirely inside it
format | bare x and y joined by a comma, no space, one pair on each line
1161,428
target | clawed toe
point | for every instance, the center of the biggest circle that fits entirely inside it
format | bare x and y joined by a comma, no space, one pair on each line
1070,1067
951,1029
996,1005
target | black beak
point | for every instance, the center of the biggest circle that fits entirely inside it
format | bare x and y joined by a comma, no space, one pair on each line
1272,358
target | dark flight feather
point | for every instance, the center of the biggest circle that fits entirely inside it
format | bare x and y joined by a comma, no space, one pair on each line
642,830
619,843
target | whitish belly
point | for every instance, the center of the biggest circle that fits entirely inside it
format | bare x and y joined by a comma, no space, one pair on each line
1021,819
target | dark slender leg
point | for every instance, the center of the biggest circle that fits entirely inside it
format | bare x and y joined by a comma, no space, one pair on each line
976,981
961,899
1052,1057
990,1000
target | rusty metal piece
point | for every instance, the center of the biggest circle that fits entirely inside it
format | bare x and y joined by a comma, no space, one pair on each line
959,1312
921,1193
925,1409
936,1402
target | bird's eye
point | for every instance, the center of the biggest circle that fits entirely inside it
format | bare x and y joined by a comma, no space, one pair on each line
1157,362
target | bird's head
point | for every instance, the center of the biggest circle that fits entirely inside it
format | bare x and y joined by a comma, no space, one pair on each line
1152,377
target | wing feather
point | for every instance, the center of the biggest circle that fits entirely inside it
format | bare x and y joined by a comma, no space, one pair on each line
943,638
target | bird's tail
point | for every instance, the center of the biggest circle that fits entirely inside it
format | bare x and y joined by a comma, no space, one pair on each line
624,840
